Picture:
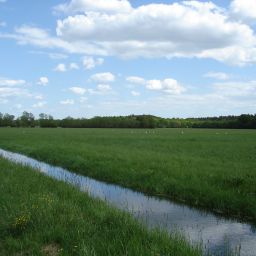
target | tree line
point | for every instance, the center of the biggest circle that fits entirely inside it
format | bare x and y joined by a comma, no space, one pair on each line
27,119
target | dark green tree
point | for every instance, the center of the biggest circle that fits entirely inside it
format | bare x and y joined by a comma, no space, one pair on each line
27,119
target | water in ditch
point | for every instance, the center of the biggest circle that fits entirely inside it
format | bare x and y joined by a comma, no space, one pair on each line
217,234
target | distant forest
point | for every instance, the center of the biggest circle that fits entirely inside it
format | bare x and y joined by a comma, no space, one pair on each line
133,121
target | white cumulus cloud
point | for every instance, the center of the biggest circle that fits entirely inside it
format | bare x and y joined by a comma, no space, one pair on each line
78,90
61,68
154,85
244,9
168,85
82,6
90,62
103,77
43,81
67,102
104,87
101,89
183,29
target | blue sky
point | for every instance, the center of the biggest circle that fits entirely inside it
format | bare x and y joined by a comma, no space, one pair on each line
117,57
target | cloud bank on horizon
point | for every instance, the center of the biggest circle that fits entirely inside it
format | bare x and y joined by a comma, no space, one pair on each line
168,58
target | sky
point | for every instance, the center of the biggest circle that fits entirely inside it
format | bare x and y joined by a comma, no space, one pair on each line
85,58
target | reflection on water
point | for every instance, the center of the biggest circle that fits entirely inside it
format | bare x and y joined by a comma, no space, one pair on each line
198,226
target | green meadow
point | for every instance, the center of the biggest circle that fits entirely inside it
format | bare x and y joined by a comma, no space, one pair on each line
41,216
207,168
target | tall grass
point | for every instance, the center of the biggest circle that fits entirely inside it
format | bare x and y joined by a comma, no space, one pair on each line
213,169
41,216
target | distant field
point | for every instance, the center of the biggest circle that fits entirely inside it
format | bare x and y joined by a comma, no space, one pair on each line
213,169
40,216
